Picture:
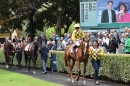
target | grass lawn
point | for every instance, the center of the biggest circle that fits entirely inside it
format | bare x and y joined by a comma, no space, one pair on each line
8,78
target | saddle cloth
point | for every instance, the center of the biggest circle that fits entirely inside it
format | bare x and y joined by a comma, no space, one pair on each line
28,47
72,51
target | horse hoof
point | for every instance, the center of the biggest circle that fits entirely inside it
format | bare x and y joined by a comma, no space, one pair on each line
34,72
77,79
68,79
84,82
7,66
72,81
27,71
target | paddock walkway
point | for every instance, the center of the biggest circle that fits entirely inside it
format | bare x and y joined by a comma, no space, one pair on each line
57,77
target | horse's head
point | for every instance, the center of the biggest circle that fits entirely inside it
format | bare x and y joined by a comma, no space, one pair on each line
85,45
39,41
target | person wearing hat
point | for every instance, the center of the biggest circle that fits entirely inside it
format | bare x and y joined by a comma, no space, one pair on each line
44,55
127,44
77,35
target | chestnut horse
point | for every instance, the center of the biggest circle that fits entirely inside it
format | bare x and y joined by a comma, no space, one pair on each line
9,51
80,56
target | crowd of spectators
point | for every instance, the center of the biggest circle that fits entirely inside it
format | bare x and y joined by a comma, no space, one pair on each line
109,40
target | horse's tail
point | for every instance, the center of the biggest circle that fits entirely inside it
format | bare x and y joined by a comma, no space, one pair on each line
65,57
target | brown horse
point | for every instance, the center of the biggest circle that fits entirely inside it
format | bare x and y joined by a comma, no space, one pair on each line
31,54
9,51
80,56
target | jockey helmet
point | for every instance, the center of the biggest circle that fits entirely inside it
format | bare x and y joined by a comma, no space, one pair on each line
76,25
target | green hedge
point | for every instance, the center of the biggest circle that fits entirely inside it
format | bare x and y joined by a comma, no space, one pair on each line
115,66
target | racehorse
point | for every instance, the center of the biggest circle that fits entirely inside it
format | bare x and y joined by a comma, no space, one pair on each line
31,54
81,55
9,51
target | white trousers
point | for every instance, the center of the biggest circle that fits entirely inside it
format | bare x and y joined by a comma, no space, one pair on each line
77,43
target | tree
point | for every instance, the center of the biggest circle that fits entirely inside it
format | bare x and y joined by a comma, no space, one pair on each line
60,13
20,10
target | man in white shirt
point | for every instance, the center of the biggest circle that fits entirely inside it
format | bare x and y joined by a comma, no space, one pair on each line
108,15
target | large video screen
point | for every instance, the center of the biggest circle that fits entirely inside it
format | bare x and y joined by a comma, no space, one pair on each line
113,11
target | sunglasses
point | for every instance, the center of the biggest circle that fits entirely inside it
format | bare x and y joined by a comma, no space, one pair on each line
76,27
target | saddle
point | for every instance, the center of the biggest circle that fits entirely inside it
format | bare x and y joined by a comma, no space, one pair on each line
28,47
74,49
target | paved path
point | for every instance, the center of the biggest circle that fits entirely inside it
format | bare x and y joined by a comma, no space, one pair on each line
57,77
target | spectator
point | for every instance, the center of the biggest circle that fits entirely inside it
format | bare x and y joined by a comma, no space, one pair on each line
53,46
99,35
113,44
126,30
127,44
22,38
69,39
19,55
44,55
92,38
57,40
49,45
15,39
102,45
116,36
52,37
105,39
108,32
65,36
44,39
123,39
61,46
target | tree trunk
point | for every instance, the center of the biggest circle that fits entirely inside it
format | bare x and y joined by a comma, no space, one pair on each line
58,24
31,25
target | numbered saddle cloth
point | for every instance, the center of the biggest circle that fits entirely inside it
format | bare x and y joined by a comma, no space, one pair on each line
28,47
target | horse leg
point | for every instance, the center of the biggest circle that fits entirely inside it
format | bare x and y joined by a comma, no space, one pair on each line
11,61
73,63
34,63
7,64
69,67
26,58
85,64
79,71
6,60
29,64
18,59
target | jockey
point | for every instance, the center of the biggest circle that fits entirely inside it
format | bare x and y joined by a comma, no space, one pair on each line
77,36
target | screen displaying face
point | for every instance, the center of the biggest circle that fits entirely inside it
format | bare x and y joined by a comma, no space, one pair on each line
113,11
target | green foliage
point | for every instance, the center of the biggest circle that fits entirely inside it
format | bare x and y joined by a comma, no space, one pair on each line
49,32
14,79
71,28
40,13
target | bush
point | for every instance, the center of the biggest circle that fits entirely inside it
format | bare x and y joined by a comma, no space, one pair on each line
114,66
